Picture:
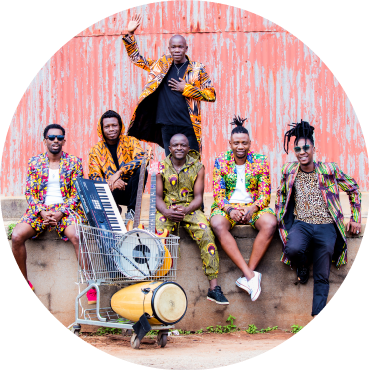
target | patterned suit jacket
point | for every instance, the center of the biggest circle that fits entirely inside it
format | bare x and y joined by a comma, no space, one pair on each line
130,154
329,177
198,87
70,167
257,179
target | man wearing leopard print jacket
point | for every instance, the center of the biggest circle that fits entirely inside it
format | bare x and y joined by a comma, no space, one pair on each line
310,216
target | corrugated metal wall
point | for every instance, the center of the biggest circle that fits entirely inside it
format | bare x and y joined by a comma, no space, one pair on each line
259,70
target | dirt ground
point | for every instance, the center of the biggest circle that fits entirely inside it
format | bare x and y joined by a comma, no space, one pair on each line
195,351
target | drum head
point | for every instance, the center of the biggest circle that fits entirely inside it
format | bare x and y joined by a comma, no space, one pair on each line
169,303
140,254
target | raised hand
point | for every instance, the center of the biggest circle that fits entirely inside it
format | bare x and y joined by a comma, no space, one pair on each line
134,23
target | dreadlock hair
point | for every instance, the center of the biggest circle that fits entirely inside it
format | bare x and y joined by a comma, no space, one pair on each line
299,131
53,125
111,114
238,122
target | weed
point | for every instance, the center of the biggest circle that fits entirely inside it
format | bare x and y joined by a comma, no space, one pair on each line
296,328
252,329
184,332
10,230
105,331
200,331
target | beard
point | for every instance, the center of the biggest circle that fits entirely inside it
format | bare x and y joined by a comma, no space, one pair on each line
56,150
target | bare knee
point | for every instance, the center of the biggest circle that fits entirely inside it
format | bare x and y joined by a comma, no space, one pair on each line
218,226
269,225
18,239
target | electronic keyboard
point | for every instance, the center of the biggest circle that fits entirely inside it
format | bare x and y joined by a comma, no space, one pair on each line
98,203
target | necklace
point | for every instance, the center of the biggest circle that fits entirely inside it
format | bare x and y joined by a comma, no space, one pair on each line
178,69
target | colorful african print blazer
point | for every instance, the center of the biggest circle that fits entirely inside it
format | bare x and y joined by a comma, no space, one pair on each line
257,179
178,188
130,154
70,167
330,177
198,87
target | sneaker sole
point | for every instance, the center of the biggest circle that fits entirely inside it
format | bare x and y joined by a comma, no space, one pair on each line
213,300
254,298
242,287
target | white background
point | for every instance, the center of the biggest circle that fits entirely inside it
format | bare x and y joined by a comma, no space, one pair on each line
32,31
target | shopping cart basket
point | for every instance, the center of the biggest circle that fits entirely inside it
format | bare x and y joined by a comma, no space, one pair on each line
120,259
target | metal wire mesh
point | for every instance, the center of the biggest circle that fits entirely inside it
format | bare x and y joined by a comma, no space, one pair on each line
111,258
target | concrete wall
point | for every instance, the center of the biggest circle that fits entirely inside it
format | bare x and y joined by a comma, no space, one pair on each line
52,268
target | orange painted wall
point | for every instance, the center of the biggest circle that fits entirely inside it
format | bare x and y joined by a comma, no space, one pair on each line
259,70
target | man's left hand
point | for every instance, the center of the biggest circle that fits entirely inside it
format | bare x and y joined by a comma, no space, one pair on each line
177,85
353,227
248,213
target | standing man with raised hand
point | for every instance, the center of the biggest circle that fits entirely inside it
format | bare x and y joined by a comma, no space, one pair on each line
170,101
309,213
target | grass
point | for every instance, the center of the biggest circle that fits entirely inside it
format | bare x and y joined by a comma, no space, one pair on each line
10,230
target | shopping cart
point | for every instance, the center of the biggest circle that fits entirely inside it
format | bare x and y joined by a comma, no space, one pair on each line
108,258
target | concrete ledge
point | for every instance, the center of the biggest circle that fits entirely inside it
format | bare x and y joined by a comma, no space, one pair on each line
52,268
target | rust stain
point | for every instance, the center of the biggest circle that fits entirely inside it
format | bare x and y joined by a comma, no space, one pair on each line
259,70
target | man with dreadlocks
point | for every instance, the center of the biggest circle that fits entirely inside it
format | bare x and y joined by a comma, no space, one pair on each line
241,191
170,101
309,213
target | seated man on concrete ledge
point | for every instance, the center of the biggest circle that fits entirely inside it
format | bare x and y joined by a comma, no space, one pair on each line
52,197
116,158
310,215
241,191
180,187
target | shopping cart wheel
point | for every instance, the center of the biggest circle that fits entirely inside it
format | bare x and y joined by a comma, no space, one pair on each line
135,341
76,329
162,338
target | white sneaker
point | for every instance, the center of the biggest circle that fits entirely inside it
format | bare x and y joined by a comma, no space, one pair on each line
242,282
255,285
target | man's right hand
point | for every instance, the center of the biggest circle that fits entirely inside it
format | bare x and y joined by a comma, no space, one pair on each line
134,23
48,217
174,214
113,179
236,215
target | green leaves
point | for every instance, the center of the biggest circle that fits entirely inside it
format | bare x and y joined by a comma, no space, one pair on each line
252,329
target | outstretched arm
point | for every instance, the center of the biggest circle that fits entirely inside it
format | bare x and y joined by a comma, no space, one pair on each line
132,47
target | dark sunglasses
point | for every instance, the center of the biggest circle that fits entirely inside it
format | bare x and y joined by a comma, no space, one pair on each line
52,137
298,149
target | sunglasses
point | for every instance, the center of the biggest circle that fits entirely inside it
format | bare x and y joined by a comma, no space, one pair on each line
52,137
298,149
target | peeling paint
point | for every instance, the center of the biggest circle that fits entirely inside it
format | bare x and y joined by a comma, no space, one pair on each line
259,70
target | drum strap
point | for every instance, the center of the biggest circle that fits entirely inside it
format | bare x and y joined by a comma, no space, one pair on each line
142,326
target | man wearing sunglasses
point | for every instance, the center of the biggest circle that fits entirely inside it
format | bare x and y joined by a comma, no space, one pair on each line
310,216
51,195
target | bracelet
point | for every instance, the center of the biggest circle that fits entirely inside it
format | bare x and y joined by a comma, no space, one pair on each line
229,210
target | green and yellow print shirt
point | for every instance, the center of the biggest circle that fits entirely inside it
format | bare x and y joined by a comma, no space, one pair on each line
178,188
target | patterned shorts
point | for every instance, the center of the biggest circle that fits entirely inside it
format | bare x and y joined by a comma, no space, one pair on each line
36,222
255,217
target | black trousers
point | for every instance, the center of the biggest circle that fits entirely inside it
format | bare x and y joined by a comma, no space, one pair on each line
128,196
169,130
321,238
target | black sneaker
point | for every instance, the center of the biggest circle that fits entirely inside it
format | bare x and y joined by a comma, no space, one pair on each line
302,274
217,296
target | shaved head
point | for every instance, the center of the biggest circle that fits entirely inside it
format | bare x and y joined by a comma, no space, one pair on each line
182,137
177,38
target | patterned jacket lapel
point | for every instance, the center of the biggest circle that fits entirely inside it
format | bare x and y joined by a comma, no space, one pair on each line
63,167
44,176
